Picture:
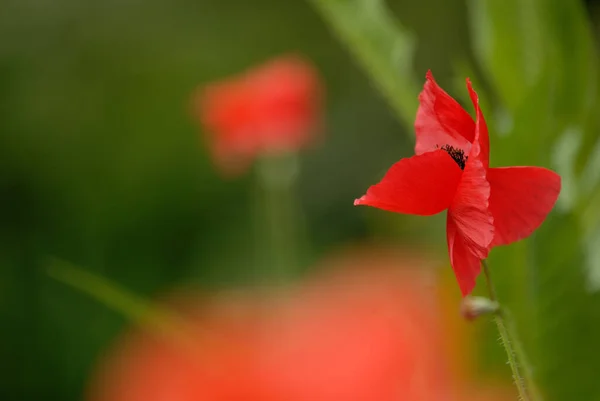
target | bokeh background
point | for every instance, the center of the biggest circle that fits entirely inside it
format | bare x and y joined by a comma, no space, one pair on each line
102,165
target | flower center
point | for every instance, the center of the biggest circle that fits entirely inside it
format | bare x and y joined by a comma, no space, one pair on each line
457,154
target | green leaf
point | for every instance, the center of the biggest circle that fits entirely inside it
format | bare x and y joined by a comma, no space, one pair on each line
154,317
521,45
567,314
508,43
380,44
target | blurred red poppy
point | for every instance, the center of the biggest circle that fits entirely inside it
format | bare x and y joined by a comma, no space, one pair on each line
450,171
353,334
270,109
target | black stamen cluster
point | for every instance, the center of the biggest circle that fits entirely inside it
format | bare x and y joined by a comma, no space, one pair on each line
457,154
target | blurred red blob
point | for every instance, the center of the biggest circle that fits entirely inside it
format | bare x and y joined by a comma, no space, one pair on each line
366,329
271,109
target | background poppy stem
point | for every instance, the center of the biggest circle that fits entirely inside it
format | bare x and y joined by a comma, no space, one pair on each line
510,341
280,218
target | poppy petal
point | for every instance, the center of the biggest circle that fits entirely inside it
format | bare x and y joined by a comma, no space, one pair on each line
466,266
422,185
441,120
520,200
480,126
469,209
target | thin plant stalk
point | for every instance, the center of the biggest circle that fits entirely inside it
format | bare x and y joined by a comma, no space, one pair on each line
278,217
516,356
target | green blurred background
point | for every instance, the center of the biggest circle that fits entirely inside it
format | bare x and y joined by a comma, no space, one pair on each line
102,165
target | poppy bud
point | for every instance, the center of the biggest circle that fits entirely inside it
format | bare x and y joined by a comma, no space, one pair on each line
473,307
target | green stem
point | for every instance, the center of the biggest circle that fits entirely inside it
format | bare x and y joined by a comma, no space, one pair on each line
511,344
279,218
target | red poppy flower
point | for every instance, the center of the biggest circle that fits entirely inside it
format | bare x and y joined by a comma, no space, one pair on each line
450,171
272,108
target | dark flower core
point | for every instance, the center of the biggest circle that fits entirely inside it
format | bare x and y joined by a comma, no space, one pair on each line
457,154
